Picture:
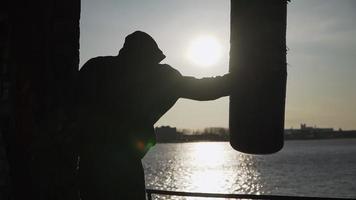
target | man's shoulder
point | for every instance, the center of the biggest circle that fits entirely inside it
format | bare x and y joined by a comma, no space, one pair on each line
168,70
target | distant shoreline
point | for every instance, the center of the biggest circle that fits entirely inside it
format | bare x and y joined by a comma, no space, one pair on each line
167,134
193,141
287,137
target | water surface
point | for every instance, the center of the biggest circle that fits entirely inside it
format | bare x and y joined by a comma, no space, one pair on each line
325,168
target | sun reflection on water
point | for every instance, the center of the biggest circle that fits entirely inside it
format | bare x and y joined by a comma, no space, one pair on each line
248,177
207,161
208,154
212,168
209,167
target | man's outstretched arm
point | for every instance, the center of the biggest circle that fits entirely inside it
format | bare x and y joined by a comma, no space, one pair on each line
204,89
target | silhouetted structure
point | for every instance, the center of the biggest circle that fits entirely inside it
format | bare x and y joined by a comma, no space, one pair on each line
39,58
171,135
167,134
5,101
304,127
308,132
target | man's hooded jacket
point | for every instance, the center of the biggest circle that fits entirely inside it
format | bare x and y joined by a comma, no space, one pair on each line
121,97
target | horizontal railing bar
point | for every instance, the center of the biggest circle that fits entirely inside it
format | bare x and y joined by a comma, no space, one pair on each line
233,196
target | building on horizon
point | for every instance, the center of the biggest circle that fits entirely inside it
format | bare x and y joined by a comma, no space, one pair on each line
167,134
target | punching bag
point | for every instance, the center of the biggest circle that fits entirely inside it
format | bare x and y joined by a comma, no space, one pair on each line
258,67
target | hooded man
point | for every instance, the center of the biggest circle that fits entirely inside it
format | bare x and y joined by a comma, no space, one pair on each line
120,98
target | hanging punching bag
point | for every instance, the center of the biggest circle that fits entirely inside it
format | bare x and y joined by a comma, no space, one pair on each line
258,67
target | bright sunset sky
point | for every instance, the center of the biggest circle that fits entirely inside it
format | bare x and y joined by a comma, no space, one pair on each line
321,37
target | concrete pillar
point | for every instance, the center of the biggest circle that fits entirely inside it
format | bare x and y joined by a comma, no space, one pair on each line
44,58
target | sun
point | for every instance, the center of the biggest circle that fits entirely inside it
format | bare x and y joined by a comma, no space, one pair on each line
204,51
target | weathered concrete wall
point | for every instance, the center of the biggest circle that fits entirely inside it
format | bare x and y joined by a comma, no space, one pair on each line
5,100
43,60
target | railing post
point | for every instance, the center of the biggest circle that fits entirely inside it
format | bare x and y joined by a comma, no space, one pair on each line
149,195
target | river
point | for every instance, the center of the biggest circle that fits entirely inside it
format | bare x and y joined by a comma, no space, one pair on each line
323,168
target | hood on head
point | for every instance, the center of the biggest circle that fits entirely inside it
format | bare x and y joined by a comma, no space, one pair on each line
139,46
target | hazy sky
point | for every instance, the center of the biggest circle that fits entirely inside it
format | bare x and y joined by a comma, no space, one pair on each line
321,34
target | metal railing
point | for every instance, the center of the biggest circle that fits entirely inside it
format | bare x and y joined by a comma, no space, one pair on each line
4,195
151,192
